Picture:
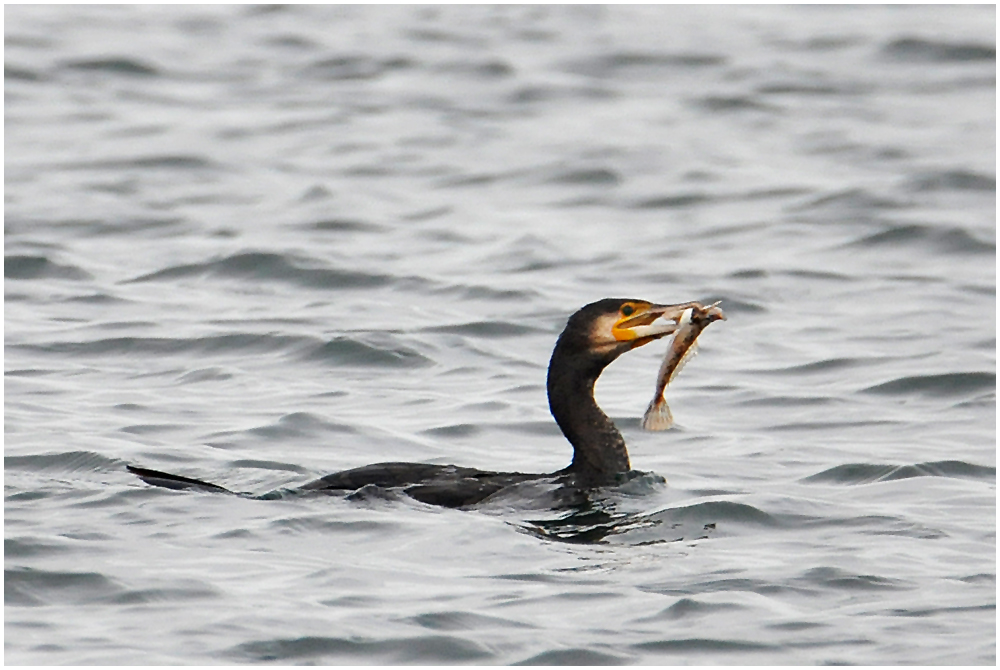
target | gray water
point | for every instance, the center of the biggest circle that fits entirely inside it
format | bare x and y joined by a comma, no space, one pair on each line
258,245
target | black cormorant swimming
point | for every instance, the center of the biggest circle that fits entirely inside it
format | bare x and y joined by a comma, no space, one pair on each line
594,337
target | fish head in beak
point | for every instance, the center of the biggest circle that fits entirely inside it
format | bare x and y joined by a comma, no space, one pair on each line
641,322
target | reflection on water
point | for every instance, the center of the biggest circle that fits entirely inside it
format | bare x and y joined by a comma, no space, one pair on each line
591,524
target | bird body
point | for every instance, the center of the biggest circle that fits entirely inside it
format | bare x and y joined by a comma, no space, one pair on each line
594,336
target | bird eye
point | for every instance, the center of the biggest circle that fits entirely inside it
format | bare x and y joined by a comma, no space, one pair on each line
628,310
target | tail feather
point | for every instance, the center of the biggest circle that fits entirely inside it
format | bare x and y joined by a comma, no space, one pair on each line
176,482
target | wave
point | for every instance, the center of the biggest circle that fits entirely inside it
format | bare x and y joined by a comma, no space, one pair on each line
40,267
575,657
918,50
486,329
629,64
151,162
120,66
425,648
347,351
810,87
820,275
809,583
715,511
17,73
343,226
867,473
342,351
597,176
827,365
488,69
673,201
734,103
457,620
311,525
158,346
689,608
852,200
65,461
262,266
117,226
354,67
703,644
938,239
953,180
837,578
948,612
289,426
33,588
201,375
953,384
459,430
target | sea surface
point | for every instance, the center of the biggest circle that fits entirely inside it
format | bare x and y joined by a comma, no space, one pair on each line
256,245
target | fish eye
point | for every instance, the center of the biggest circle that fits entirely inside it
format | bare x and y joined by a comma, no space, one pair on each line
628,310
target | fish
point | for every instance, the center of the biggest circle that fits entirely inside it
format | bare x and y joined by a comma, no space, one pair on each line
682,347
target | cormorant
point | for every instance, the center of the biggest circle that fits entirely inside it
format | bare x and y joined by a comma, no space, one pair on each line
593,337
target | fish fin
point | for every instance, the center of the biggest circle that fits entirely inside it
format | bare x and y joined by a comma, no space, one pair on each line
688,355
657,416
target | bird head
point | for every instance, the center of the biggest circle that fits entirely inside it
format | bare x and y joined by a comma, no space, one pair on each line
610,327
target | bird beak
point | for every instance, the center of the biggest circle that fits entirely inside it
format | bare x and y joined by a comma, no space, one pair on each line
651,323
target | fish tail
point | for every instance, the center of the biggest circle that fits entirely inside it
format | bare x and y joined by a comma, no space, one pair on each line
657,416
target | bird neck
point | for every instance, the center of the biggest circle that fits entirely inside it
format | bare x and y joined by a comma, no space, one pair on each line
599,453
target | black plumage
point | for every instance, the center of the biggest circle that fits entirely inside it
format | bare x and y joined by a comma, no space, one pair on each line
593,337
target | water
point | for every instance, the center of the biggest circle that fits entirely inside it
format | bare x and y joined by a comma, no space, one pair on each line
258,245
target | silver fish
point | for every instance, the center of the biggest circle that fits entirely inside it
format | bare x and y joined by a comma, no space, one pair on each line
682,347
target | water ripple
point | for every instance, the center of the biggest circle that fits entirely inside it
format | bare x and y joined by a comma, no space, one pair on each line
40,267
949,240
867,473
953,180
464,621
703,645
166,161
66,461
918,50
423,649
128,67
230,343
262,266
354,67
638,63
298,425
375,350
575,657
487,329
949,385
690,608
350,352
32,587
